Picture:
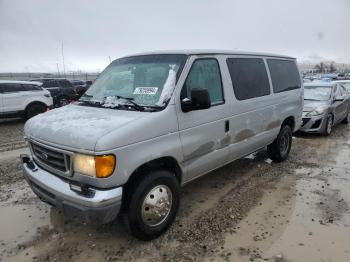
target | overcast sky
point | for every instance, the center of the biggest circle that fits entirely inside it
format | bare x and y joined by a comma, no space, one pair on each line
32,31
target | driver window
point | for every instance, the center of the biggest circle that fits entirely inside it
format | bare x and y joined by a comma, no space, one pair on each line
205,74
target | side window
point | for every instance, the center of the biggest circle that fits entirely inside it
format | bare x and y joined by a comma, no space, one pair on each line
50,83
249,77
27,87
335,91
12,88
340,91
343,90
65,83
284,74
205,73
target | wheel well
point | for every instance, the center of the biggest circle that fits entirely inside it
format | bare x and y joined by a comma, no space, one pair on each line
290,122
167,163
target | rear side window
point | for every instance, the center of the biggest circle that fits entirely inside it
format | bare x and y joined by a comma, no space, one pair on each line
31,87
50,83
205,73
249,77
11,88
284,74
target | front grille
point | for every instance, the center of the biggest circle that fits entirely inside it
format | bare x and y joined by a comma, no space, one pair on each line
54,160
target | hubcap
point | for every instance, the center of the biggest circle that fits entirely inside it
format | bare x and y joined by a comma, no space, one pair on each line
284,144
156,205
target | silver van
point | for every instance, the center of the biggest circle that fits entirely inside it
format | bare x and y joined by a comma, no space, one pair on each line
153,122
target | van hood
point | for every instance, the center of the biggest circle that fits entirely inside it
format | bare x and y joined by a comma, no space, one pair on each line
78,127
310,105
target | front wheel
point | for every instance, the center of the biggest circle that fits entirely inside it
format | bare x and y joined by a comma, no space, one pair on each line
279,149
329,125
152,205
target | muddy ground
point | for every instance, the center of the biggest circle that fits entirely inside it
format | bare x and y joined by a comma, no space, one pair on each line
250,210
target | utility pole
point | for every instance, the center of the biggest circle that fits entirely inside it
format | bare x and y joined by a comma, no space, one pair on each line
64,66
109,57
58,70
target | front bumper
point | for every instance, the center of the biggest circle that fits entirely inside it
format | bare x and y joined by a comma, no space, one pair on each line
314,124
94,206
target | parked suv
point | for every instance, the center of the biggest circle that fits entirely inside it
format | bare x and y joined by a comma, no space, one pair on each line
62,91
153,122
23,99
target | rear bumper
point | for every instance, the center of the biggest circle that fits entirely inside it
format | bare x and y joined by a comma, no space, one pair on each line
94,206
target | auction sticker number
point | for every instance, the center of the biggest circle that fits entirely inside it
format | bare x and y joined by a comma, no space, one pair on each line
145,90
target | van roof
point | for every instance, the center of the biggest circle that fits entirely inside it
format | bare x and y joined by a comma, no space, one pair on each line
209,52
19,82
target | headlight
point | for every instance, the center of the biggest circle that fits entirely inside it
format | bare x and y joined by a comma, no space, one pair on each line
318,111
94,166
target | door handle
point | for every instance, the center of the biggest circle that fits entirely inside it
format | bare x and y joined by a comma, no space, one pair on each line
227,126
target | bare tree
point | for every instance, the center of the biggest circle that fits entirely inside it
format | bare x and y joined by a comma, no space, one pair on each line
321,67
332,67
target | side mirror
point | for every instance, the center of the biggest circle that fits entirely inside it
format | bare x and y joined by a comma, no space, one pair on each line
200,99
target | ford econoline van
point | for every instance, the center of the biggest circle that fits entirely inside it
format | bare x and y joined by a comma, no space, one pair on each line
153,122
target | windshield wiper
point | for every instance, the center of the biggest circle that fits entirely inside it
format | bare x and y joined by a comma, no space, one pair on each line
310,99
131,101
90,103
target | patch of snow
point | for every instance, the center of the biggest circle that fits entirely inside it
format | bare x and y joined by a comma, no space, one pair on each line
111,102
168,87
251,156
268,160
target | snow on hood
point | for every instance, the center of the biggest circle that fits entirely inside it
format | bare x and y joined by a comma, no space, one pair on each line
77,126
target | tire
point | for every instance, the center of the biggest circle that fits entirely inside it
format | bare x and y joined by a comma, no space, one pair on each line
62,101
279,150
328,127
142,216
347,118
34,110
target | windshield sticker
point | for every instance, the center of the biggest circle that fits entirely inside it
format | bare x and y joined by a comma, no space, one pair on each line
145,90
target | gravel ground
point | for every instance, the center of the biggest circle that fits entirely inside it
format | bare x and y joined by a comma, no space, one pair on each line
11,134
250,210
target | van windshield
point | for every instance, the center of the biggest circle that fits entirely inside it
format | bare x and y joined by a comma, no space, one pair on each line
147,80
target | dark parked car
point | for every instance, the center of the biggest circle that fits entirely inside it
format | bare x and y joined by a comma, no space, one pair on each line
62,91
80,86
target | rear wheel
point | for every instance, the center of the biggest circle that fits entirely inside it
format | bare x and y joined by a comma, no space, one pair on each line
152,204
34,110
329,125
279,150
